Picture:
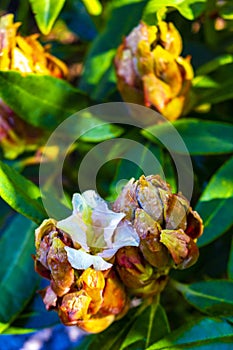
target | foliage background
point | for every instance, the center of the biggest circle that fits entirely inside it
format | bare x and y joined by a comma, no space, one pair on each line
196,308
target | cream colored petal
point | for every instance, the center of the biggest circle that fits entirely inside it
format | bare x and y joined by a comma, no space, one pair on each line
74,226
124,236
81,260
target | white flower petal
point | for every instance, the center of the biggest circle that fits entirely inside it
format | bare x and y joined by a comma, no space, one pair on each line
113,221
79,205
104,223
72,226
81,260
125,235
92,199
108,253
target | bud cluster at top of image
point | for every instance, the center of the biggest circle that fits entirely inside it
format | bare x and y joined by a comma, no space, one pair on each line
151,72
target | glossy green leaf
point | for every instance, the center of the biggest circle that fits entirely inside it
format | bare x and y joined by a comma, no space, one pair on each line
148,328
122,17
190,9
101,133
200,137
94,7
203,334
230,262
215,204
18,280
217,86
46,13
42,101
17,331
211,297
214,64
21,194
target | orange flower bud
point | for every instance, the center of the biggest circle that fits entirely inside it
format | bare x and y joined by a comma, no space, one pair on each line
25,55
150,70
91,299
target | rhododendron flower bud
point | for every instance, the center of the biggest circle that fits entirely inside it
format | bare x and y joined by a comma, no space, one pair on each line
151,72
165,222
24,55
101,256
132,268
76,254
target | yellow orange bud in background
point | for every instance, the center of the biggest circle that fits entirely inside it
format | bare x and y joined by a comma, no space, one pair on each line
151,72
26,54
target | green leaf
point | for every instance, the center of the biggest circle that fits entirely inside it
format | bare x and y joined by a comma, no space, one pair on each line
203,334
17,331
215,204
218,85
190,9
42,101
230,262
46,13
21,194
98,79
200,137
214,64
211,297
148,328
94,7
101,133
18,279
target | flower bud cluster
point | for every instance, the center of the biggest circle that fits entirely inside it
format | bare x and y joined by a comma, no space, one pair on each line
167,227
91,299
99,257
151,72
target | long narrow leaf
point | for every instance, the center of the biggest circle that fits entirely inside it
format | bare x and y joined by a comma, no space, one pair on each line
148,328
40,100
18,280
203,334
200,137
21,194
215,204
211,297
